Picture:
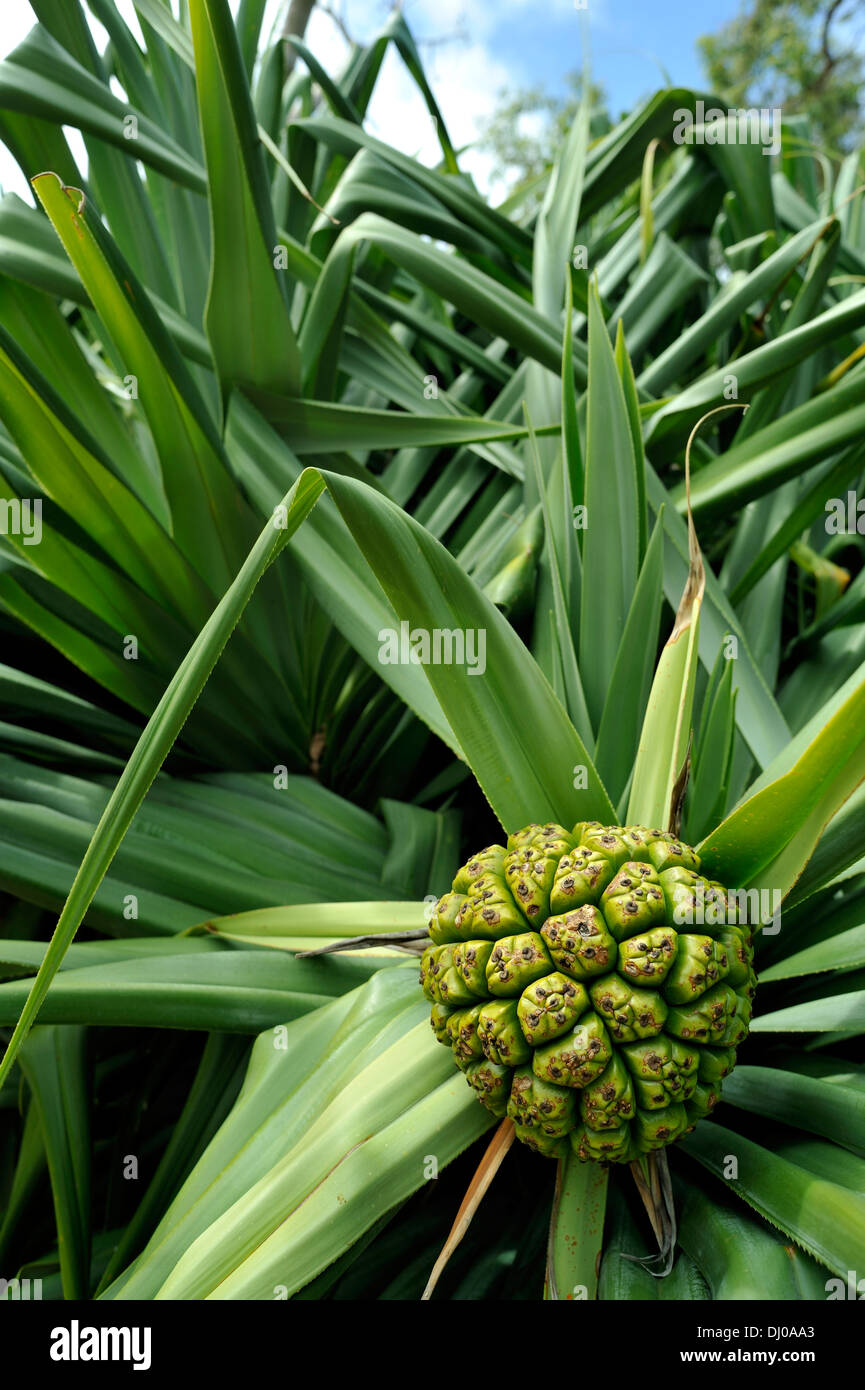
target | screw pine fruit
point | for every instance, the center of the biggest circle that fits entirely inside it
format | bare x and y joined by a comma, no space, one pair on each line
592,985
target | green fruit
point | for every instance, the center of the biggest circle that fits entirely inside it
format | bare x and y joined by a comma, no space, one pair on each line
440,1014
666,852
551,839
577,1059
702,1102
655,1129
716,1063
529,873
515,962
470,959
446,915
608,1102
707,1019
550,1145
628,1013
490,860
580,943
580,878
427,963
492,1083
449,984
647,957
662,1065
462,1034
500,1034
593,986
737,1028
700,963
693,904
739,956
540,1103
550,1006
493,911
602,1146
608,842
633,901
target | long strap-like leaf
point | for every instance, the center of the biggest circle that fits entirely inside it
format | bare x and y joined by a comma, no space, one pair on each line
512,729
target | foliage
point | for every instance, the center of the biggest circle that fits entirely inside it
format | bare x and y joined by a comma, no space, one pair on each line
529,124
802,55
281,389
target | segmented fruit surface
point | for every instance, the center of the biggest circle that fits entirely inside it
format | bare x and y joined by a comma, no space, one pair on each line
592,985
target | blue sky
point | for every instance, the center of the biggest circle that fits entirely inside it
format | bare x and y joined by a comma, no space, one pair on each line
502,44
631,41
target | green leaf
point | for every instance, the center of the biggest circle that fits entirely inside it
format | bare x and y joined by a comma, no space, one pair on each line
410,565
226,991
484,300
611,539
666,733
318,427
42,80
66,464
206,513
781,450
213,1093
632,401
827,1220
41,332
54,1062
575,700
806,1102
556,227
746,170
332,563
740,1257
347,138
20,1190
576,1229
770,836
725,309
646,181
832,482
631,679
495,713
713,753
344,1106
160,18
845,951
840,846
753,371
247,316
153,746
838,1013
305,926
759,720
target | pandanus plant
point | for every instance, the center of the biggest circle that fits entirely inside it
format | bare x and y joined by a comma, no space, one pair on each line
174,351
345,1109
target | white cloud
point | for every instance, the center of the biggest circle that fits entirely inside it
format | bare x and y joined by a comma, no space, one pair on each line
464,74
461,80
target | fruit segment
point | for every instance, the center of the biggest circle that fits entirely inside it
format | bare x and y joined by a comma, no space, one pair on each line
592,985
